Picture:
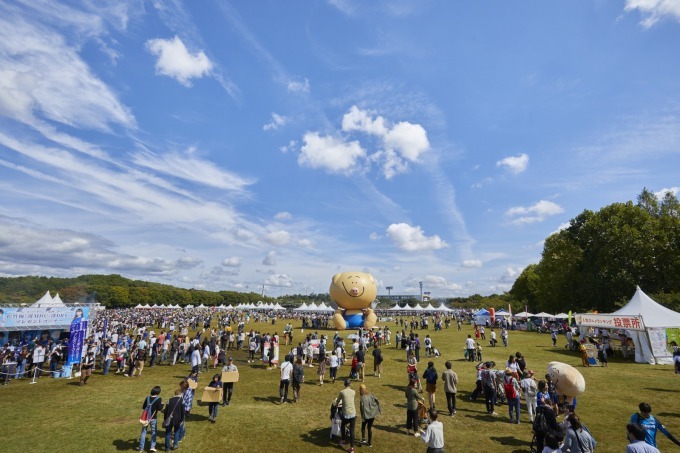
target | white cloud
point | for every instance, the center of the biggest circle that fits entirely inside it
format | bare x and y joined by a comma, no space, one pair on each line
412,239
280,280
304,243
514,164
291,146
537,212
242,235
439,282
472,263
283,215
192,169
409,139
26,246
662,193
654,10
233,261
298,86
345,6
175,60
278,238
374,236
360,120
276,122
330,153
511,274
270,259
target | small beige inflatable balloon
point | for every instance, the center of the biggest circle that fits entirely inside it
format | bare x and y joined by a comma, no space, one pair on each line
353,292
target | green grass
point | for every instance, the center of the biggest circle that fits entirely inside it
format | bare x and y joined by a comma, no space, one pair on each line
58,415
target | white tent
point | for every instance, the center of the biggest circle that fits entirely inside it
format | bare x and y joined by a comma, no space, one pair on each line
138,306
429,308
561,316
302,307
443,307
278,307
418,308
311,306
323,307
543,315
650,344
524,314
44,301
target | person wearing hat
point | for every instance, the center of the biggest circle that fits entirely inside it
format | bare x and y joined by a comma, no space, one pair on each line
349,413
228,387
530,388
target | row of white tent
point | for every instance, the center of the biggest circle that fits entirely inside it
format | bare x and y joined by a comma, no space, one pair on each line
417,307
322,307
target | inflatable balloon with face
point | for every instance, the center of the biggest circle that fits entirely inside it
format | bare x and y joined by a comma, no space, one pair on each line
353,292
569,381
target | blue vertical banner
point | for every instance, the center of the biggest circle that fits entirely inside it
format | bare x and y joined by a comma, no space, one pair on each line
105,328
78,332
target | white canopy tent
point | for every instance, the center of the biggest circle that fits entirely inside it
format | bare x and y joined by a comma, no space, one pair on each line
543,315
46,301
443,307
561,316
524,314
650,343
302,307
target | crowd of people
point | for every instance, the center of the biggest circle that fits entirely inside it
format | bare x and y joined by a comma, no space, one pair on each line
132,341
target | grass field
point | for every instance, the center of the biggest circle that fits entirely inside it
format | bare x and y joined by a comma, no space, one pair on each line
57,415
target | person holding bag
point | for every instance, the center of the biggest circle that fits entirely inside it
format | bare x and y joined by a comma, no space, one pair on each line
174,418
150,407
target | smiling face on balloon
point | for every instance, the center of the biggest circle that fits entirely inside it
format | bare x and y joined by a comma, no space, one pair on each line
353,290
567,379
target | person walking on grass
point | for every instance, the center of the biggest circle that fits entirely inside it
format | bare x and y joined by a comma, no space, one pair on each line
216,383
298,378
636,436
430,375
370,409
334,363
349,413
86,368
434,435
154,404
228,387
450,379
377,360
286,372
412,399
322,363
174,419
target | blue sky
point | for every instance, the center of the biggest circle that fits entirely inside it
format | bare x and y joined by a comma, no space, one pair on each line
242,145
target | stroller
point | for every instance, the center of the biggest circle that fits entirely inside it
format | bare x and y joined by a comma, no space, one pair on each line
336,421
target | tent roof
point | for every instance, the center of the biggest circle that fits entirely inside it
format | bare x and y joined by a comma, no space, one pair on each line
482,312
561,316
543,315
523,314
653,313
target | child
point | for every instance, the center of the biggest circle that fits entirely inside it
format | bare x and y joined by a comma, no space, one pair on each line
212,407
478,351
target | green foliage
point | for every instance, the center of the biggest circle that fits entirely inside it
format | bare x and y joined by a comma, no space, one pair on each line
596,263
115,291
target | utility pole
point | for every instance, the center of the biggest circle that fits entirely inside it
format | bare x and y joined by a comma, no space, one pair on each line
421,290
389,291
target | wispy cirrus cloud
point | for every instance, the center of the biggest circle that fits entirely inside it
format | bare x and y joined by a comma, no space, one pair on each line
653,11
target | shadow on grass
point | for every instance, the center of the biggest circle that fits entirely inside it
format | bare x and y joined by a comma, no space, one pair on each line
662,390
508,441
194,417
490,418
389,429
669,414
130,444
267,399
319,437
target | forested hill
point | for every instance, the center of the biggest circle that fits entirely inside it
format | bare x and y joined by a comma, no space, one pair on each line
598,260
114,291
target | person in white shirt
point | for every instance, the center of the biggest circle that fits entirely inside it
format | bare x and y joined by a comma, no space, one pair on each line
434,435
286,370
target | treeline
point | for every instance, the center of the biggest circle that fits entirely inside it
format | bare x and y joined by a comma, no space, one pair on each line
596,262
115,291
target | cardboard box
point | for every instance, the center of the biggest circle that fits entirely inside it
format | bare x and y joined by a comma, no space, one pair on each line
229,376
212,395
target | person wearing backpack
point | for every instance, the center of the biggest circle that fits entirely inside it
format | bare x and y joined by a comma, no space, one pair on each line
512,392
149,419
530,388
545,423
